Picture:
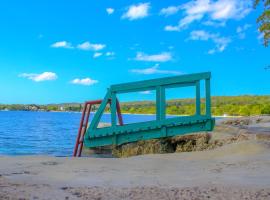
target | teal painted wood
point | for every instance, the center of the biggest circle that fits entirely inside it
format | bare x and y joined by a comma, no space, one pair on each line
113,109
198,98
139,85
207,97
161,127
145,134
160,103
147,125
97,116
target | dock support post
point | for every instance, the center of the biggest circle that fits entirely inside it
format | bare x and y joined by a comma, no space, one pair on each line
207,97
160,103
113,109
198,98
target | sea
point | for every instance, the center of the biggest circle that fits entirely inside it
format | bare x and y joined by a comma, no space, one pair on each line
46,133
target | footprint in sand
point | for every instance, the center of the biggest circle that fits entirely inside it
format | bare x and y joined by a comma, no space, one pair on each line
49,163
217,170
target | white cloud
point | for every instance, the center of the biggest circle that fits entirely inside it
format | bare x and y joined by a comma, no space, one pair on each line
184,22
145,92
45,76
83,46
189,19
201,35
171,10
154,70
110,53
162,57
89,46
62,44
220,42
137,11
241,30
84,81
97,54
215,23
230,9
220,11
171,28
110,11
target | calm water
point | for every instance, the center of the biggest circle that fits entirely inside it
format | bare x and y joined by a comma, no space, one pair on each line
45,133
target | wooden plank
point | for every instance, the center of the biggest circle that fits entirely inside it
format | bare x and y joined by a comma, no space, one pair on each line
147,125
160,103
198,98
149,134
140,85
113,109
100,110
207,97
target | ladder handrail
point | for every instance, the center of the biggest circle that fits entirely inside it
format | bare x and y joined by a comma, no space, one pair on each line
88,111
79,132
84,123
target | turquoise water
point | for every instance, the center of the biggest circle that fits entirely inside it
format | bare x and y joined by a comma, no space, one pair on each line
45,133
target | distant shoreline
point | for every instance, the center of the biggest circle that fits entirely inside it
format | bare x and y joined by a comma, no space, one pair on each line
219,116
221,106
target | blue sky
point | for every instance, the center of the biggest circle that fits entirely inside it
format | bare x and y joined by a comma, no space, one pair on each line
71,51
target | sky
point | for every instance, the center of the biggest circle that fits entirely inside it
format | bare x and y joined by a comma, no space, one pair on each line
56,51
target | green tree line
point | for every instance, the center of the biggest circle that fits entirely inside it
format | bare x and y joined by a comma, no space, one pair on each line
229,105
221,105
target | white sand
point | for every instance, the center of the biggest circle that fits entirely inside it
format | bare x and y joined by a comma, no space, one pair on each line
233,171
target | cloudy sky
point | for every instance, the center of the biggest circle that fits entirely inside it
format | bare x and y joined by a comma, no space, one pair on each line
71,51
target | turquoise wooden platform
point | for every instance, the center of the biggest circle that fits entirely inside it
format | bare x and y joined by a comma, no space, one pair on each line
119,133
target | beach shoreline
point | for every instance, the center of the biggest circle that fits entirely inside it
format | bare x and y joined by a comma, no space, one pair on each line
124,113
236,170
241,167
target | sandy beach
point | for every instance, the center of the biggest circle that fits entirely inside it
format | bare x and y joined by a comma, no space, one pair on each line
234,171
135,100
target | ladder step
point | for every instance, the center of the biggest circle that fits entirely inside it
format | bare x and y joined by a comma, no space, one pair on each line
83,126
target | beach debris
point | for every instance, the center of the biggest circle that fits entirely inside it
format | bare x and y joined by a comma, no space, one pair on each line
185,143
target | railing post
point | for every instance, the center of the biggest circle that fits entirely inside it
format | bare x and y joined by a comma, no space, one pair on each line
160,103
113,109
119,114
207,97
100,110
198,98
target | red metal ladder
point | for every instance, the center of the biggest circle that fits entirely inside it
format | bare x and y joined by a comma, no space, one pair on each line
84,123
